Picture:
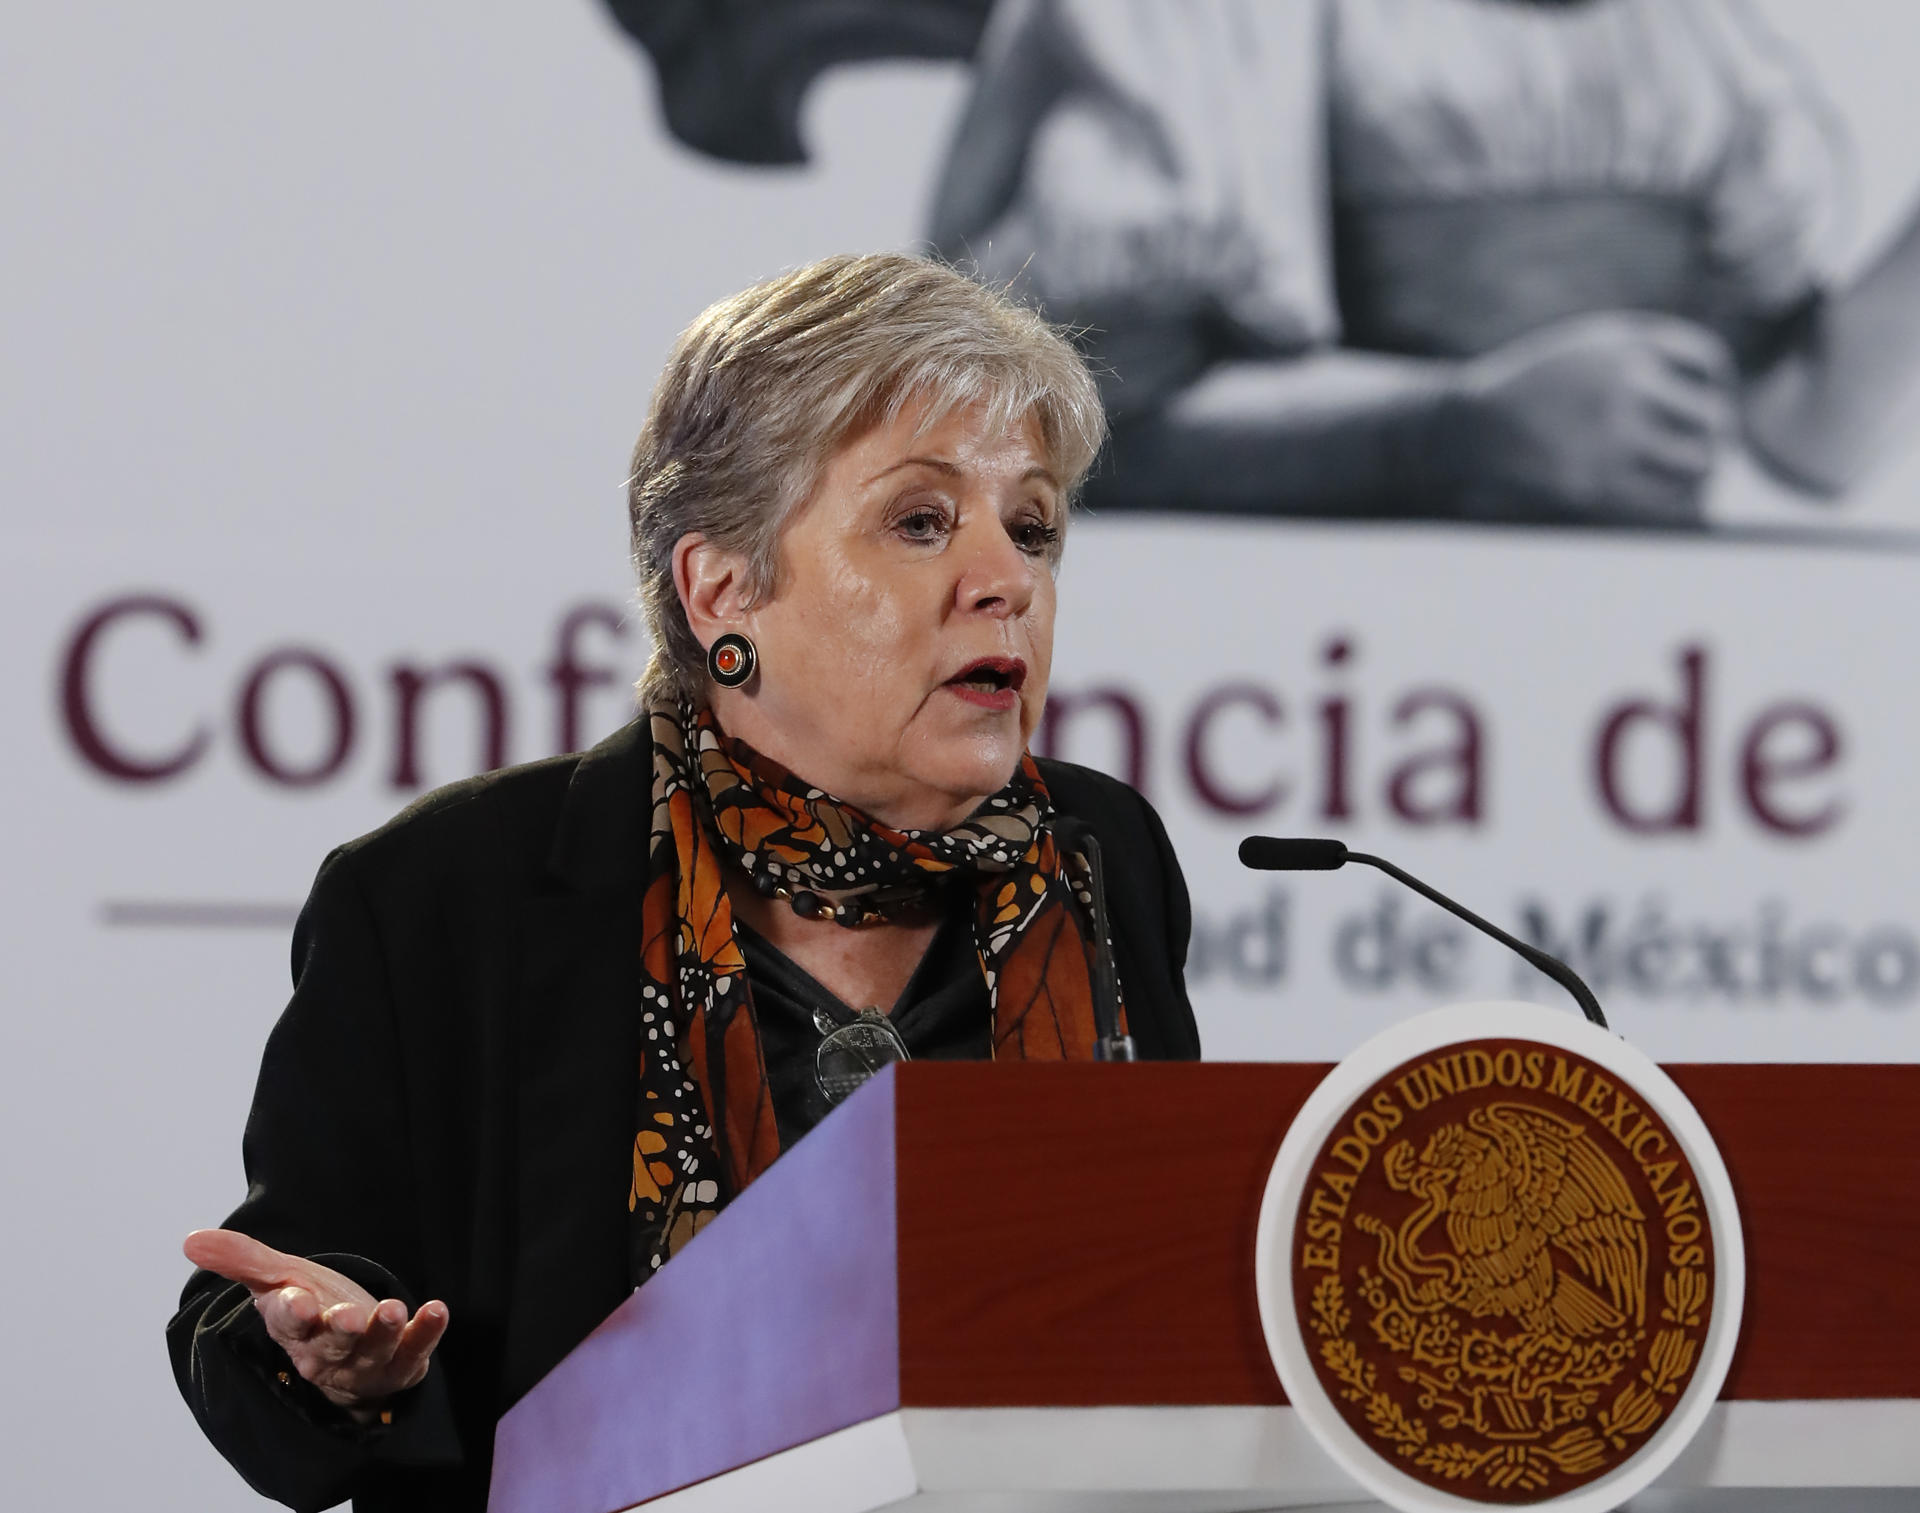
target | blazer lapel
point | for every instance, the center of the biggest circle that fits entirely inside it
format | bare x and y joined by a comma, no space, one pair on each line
577,1042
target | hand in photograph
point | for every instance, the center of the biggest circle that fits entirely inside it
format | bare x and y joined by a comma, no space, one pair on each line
1618,413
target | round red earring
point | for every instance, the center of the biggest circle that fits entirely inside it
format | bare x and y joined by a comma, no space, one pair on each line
731,660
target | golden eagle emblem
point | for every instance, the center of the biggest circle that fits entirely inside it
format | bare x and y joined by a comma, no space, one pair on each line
1501,1271
1542,1226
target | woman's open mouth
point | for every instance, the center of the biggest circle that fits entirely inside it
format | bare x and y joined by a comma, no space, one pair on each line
990,682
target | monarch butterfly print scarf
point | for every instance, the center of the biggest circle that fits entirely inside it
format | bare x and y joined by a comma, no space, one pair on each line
705,1126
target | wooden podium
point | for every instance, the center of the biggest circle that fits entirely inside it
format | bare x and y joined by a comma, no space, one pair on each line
1031,1286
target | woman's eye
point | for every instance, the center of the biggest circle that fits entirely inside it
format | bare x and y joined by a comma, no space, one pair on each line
922,525
1036,537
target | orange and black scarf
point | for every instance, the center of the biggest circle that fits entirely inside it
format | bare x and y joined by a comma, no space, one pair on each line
706,1126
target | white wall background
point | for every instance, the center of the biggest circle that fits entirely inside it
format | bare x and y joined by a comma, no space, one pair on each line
333,324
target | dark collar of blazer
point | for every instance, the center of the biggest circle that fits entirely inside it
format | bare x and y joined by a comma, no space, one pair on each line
577,1050
578,1040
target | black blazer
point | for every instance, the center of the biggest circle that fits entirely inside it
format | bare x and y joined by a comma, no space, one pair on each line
445,1108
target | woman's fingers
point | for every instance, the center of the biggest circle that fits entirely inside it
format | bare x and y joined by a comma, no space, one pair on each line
354,1348
1687,406
240,1258
417,1339
360,1361
1664,480
1692,349
388,1353
292,1314
381,1332
1687,459
1673,443
262,1270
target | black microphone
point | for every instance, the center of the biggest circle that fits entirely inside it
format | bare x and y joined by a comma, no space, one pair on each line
1271,853
1109,1044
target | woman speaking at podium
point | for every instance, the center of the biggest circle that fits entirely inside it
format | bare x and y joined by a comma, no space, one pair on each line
546,1022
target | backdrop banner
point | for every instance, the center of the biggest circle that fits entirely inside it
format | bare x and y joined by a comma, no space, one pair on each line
1514,477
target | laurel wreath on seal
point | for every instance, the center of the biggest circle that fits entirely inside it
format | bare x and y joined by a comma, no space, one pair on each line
1579,1451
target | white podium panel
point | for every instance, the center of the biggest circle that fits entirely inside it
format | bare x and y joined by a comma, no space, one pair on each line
1752,1457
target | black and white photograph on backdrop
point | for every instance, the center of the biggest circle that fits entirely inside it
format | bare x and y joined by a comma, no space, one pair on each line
1504,260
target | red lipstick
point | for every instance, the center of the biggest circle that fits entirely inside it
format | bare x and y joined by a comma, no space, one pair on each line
990,682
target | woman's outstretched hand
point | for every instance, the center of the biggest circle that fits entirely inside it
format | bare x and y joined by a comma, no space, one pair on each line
358,1350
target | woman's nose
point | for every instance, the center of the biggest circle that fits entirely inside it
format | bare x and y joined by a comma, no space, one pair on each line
996,576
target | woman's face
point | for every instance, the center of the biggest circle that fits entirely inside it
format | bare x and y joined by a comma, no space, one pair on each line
905,648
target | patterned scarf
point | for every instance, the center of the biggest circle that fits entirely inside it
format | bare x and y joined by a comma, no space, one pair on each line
706,1126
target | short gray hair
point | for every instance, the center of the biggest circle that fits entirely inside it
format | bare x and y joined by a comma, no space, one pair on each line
764,387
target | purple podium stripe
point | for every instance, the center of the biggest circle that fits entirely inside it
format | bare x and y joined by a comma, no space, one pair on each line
777,1325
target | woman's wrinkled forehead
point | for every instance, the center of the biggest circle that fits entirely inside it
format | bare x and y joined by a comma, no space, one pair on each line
951,428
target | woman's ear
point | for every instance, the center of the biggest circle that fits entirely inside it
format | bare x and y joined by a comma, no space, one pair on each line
711,583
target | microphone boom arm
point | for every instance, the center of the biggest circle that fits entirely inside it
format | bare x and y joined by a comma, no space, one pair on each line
1552,966
1270,854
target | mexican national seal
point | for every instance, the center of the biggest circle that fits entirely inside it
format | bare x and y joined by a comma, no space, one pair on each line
1503,1268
